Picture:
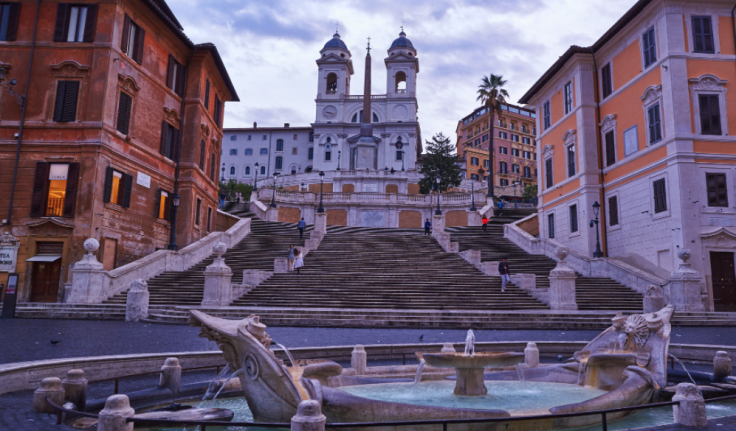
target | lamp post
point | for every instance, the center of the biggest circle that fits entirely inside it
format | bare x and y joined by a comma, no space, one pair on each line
437,180
339,153
273,198
175,199
403,155
472,195
255,186
321,209
9,86
594,223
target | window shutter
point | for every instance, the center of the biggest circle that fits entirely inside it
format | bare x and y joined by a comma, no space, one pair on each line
207,94
127,190
72,182
201,155
613,211
167,213
158,203
180,81
715,116
126,34
124,106
60,97
140,38
90,23
40,181
164,137
175,145
62,22
71,93
107,194
170,73
12,31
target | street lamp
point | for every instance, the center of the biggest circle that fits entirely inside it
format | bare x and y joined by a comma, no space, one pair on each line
175,200
273,198
438,179
594,223
321,209
9,86
472,195
255,186
403,156
339,153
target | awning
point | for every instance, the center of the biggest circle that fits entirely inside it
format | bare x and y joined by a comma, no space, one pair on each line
46,258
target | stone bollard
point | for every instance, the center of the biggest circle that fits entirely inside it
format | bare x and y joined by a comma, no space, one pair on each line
117,410
280,265
320,223
308,417
438,224
218,288
531,355
654,299
88,277
50,388
136,305
359,359
75,388
721,366
690,411
171,375
448,348
685,286
562,284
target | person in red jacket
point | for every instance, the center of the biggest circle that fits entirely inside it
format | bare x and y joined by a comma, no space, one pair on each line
485,223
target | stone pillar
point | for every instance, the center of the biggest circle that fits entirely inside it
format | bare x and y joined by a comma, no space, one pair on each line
691,410
75,388
136,305
721,366
320,223
359,359
474,218
308,417
171,375
50,388
438,224
448,348
562,284
654,300
531,355
117,410
280,265
685,286
88,277
218,289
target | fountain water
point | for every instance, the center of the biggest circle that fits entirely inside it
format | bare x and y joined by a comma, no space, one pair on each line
288,353
469,343
418,375
684,368
520,373
216,381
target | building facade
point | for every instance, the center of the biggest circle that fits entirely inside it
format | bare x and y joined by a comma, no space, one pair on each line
123,114
639,123
514,146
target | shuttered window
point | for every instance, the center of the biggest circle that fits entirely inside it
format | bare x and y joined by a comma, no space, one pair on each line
660,196
207,94
655,124
610,149
169,141
65,107
710,115
606,81
175,76
703,35
218,111
55,190
649,44
613,210
118,188
132,40
202,150
547,116
717,190
124,107
75,22
551,225
9,20
573,218
198,211
212,167
568,97
548,172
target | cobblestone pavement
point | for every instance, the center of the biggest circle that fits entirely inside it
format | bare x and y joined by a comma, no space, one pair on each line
30,339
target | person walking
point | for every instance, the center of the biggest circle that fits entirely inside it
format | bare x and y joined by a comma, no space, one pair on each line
485,223
302,224
500,207
291,257
503,271
222,200
427,227
299,262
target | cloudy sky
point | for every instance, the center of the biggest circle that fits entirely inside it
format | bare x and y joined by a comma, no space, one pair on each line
270,48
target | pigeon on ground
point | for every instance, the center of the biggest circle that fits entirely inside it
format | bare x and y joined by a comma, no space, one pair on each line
421,337
559,358
55,342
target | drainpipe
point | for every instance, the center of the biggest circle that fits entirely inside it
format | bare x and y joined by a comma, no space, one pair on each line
599,141
23,115
172,230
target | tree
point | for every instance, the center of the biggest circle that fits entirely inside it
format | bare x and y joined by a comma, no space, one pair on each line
439,159
233,186
492,95
530,192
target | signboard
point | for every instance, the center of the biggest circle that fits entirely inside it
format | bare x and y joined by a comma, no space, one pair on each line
50,248
143,180
58,171
10,297
631,140
8,252
12,284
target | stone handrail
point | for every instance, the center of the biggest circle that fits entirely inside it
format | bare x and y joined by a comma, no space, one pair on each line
300,197
257,207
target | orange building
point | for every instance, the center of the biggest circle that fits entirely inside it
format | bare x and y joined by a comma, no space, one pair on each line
123,112
639,122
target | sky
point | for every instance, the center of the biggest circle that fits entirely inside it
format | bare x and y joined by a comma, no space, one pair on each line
270,47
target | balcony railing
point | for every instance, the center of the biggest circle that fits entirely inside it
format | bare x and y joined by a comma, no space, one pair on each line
55,207
360,97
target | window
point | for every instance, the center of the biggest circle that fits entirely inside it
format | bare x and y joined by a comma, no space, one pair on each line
568,97
125,104
295,136
503,150
655,126
207,97
218,111
513,126
213,162
9,20
660,196
249,136
474,161
546,114
527,172
485,137
198,211
358,117
249,151
175,77
613,211
548,172
477,142
526,140
132,40
703,35
573,218
717,190
504,182
524,128
606,81
551,225
169,141
232,170
118,187
54,189
527,155
503,135
311,136
202,150
279,145
65,108
515,168
399,155
515,138
710,115
234,137
328,156
293,170
247,170
473,176
487,163
279,162
503,168
233,152
570,150
650,47
264,151
294,151
610,149
264,137
209,219
515,152
74,22
163,204
310,154
263,170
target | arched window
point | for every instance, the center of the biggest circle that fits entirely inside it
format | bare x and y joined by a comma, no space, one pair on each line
280,145
331,83
400,82
358,118
263,170
232,170
247,170
293,169
279,162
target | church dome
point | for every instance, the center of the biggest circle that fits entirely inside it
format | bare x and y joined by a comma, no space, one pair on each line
336,42
402,41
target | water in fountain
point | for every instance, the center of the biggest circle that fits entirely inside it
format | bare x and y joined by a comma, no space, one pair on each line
684,368
469,344
213,384
204,403
418,375
581,372
520,373
288,353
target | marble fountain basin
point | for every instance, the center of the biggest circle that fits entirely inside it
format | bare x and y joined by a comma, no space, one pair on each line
470,368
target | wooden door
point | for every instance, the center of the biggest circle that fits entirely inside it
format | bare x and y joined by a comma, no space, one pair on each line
724,281
45,283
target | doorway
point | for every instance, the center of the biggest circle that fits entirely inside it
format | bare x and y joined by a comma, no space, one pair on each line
45,286
724,281
109,254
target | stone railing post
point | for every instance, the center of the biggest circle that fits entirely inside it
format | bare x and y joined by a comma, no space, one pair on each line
359,359
171,375
308,417
448,348
50,388
136,304
438,224
690,411
722,367
75,388
280,265
320,223
653,300
113,416
531,355
562,284
474,218
685,286
88,277
218,288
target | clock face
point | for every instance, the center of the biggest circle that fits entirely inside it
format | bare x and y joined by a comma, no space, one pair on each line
329,111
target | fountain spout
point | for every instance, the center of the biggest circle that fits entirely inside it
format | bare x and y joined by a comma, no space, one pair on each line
470,343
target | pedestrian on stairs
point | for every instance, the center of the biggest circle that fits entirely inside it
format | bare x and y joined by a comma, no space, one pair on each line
503,271
302,224
291,257
427,227
299,262
500,207
485,223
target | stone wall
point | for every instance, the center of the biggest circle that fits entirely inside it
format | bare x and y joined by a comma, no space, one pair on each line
410,219
456,218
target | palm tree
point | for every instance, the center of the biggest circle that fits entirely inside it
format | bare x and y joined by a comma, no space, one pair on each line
492,95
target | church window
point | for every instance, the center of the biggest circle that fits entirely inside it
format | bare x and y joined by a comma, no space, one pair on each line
264,151
310,154
263,170
279,162
331,83
328,156
400,82
358,118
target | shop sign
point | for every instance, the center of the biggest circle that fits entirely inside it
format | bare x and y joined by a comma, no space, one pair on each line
143,180
9,246
50,248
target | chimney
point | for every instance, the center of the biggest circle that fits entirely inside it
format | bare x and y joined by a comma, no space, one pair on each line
286,125
255,125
